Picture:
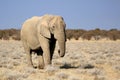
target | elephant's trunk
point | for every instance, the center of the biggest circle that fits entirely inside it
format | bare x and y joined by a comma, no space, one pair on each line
62,46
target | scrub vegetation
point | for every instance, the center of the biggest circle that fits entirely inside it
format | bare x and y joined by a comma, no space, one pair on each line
96,34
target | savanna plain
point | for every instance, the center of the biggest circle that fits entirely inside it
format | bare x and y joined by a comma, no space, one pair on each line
84,60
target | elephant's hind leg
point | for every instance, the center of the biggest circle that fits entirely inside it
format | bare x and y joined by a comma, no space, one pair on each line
29,59
28,55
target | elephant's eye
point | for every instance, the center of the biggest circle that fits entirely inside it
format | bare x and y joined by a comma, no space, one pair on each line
52,29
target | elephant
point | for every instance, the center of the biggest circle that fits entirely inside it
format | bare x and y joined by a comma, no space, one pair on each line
39,35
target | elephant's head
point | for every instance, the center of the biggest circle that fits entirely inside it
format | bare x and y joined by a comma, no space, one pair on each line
54,25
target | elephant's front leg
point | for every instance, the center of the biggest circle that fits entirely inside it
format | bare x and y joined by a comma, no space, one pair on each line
46,57
40,62
46,52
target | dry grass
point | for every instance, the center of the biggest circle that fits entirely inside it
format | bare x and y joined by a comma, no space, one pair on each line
84,60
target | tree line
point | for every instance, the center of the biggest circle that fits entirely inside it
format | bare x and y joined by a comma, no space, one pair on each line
7,34
97,34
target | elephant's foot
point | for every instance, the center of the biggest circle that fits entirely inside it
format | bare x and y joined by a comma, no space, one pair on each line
40,62
40,66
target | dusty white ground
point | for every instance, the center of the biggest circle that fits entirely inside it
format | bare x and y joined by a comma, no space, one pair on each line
84,60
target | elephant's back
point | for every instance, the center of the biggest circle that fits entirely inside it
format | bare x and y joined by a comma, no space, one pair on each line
32,21
29,28
29,32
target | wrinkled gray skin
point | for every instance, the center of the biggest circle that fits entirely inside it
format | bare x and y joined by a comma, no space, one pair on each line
39,35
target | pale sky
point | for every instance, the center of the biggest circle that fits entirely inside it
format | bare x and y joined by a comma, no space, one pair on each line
78,14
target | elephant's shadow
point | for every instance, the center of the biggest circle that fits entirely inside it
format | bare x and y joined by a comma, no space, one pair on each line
68,66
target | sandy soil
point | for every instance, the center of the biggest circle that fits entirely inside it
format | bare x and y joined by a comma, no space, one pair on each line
84,60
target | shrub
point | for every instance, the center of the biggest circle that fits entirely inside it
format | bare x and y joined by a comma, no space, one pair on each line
97,34
114,34
7,33
74,33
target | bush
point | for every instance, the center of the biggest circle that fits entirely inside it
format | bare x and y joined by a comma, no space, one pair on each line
97,34
74,33
10,33
114,34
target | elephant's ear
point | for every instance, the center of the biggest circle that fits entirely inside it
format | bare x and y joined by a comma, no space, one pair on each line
44,30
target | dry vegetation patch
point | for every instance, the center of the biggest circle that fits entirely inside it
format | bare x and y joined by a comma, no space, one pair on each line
77,34
84,60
